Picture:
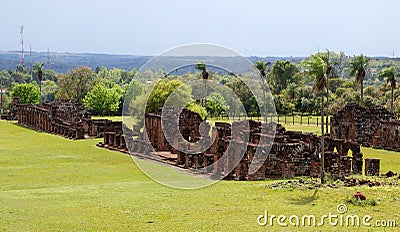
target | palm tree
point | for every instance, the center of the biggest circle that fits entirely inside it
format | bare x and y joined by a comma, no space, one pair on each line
390,74
204,73
358,67
329,68
262,67
203,68
38,68
317,68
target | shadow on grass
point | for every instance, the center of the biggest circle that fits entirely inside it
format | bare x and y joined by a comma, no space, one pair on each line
304,200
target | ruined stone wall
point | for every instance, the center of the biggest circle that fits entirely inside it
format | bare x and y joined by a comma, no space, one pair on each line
374,126
188,123
296,154
114,137
62,117
291,153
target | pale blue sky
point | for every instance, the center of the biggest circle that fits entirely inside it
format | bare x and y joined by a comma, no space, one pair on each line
251,27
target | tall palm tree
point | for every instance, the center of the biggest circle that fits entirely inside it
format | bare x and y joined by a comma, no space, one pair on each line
204,73
390,74
317,68
329,68
203,68
38,68
262,67
358,67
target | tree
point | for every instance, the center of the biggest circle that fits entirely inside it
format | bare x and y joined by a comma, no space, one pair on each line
261,66
358,67
163,89
390,75
202,67
329,68
38,69
49,90
20,76
26,93
133,90
137,108
103,99
282,74
76,84
204,73
147,103
5,79
216,103
316,67
245,95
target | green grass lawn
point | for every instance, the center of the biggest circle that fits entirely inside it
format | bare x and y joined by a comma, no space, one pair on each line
48,183
113,118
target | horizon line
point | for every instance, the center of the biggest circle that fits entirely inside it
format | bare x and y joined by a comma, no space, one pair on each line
26,53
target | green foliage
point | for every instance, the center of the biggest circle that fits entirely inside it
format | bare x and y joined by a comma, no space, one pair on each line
20,76
137,108
103,99
200,66
49,90
163,89
133,90
316,67
349,85
38,69
390,75
27,93
5,102
283,105
335,83
216,103
76,84
245,95
262,67
369,101
358,67
198,109
118,76
307,105
283,73
51,75
359,202
290,87
5,79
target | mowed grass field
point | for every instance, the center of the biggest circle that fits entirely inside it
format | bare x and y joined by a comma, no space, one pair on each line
49,183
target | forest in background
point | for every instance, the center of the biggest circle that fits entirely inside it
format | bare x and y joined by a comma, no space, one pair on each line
102,82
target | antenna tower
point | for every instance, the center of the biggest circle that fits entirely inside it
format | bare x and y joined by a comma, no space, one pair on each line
22,45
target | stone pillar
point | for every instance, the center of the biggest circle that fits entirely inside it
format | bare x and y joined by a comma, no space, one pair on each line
288,170
344,166
315,168
372,167
357,162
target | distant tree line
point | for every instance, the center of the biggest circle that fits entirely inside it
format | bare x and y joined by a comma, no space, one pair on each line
295,87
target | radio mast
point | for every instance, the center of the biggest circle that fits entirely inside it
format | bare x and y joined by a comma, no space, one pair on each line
22,45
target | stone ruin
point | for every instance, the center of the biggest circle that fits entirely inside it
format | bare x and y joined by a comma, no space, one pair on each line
291,154
62,117
371,127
